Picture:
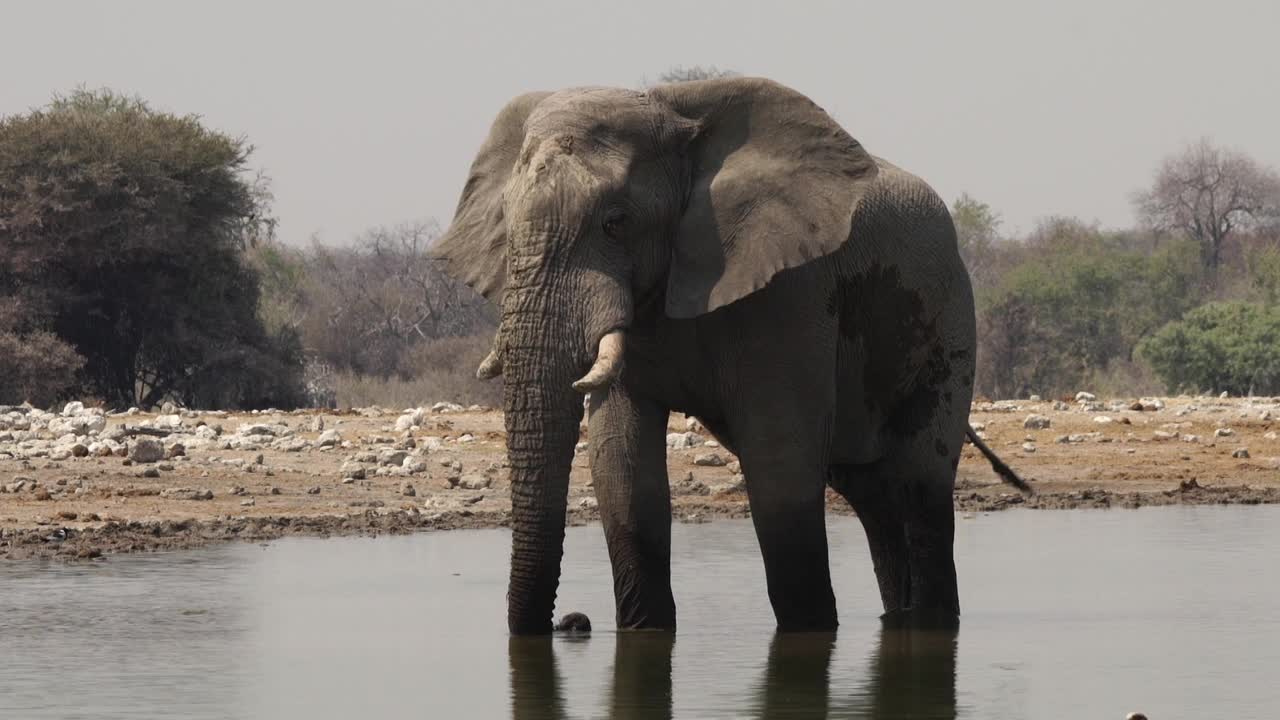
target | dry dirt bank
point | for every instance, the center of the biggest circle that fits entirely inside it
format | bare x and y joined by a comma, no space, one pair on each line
78,484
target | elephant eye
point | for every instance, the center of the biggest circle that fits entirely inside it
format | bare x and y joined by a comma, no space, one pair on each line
613,222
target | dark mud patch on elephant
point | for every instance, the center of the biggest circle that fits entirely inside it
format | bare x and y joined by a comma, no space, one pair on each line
906,366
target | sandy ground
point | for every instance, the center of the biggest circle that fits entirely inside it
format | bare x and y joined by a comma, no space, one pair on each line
236,482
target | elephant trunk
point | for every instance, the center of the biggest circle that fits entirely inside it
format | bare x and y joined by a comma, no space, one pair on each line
542,414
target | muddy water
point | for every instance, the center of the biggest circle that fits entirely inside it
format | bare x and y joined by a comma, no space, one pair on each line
1172,611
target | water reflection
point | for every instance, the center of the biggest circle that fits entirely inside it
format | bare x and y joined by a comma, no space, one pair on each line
911,674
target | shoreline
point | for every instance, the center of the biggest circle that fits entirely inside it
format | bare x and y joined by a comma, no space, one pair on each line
91,542
81,484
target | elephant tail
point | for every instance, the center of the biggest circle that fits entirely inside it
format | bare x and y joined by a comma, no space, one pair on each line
1005,472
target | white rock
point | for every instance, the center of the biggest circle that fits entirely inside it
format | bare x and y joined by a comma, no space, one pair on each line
1083,396
1224,432
682,441
1102,419
1036,422
145,450
709,460
72,409
446,407
1028,447
329,438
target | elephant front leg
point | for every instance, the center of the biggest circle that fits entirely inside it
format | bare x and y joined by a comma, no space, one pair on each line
627,435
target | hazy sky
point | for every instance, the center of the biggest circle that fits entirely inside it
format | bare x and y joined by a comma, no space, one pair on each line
369,113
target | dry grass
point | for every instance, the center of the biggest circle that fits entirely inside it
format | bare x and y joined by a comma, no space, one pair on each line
438,370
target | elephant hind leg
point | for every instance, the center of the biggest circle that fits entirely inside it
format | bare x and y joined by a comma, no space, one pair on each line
877,500
905,504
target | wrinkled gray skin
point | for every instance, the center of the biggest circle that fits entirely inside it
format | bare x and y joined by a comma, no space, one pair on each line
724,249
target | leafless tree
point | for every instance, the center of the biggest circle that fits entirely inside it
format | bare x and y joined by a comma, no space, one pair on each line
1209,192
370,304
680,73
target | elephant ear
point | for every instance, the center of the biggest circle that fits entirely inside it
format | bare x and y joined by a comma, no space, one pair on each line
475,245
774,184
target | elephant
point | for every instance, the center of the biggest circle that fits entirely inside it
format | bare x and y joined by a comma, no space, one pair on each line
724,249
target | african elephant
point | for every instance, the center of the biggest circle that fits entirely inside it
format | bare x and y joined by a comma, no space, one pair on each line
722,248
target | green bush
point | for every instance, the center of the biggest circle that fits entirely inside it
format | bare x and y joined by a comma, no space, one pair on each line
1077,302
1222,346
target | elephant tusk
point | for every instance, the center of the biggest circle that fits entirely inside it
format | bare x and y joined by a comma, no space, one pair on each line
607,366
490,367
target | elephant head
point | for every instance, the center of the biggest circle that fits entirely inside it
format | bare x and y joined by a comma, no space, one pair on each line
590,212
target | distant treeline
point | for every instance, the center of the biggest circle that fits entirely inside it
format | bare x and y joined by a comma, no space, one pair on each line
139,263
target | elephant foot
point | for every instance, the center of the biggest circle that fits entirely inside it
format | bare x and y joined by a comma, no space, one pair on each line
825,624
921,619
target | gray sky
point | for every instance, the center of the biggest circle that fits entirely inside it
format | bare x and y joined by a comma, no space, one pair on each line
369,113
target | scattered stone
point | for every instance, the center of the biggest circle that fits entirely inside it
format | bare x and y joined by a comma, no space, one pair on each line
684,440
1036,422
187,493
1241,454
1224,432
466,438
329,438
408,490
1034,398
1060,406
145,450
1163,435
446,407
588,503
150,472
42,494
354,471
1102,419
392,457
1083,396
709,460
474,482
273,490
313,490
248,503
1028,447
68,514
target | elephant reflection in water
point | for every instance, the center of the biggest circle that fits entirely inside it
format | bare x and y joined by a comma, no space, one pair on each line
912,674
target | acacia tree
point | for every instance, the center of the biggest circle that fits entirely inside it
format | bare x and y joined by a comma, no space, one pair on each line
123,230
1208,193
